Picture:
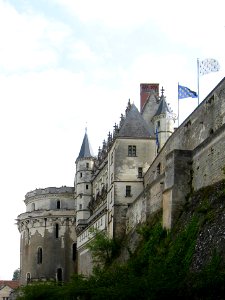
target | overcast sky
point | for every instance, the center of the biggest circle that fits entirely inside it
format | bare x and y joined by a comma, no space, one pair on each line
68,64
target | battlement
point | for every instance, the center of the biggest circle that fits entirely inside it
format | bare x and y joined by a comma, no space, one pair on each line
50,190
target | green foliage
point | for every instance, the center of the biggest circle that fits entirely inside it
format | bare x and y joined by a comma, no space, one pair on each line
40,291
103,249
16,274
160,268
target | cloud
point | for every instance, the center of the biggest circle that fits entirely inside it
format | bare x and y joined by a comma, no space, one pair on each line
28,40
115,14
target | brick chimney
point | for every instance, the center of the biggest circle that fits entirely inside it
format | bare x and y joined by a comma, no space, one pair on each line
145,90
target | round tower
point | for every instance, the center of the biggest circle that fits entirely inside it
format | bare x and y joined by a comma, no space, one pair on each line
163,120
83,185
48,237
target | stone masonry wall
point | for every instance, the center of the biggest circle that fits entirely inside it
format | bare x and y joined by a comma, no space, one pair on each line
202,136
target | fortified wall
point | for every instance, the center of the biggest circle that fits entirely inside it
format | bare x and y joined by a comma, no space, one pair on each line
192,158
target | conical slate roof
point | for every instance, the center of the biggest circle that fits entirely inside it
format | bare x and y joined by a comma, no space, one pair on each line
85,150
134,125
163,106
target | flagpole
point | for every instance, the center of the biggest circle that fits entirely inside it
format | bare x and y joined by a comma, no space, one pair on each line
198,77
178,104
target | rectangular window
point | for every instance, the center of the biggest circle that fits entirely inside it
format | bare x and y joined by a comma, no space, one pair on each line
86,186
128,190
132,150
87,165
80,175
56,230
140,172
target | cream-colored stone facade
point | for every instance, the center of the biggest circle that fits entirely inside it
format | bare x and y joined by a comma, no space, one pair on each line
143,166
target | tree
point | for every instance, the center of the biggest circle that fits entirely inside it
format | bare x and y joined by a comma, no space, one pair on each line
16,274
103,248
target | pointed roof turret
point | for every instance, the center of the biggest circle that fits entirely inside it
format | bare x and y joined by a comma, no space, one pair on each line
85,150
163,106
134,125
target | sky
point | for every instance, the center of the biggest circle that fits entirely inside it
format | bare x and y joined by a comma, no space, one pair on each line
67,65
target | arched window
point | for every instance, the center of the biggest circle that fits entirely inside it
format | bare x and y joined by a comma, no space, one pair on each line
59,275
56,230
28,277
58,204
39,255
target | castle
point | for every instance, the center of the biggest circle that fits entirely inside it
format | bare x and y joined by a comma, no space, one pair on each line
144,166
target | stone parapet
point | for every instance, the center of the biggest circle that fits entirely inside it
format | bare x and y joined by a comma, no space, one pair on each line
50,190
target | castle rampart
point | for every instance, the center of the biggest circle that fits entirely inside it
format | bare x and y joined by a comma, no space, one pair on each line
193,157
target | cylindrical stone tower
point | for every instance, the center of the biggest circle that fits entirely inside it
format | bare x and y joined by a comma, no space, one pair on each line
83,186
48,237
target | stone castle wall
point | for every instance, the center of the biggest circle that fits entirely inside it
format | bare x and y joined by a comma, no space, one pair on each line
193,157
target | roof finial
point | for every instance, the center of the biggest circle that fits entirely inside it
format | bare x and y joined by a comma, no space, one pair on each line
86,127
162,90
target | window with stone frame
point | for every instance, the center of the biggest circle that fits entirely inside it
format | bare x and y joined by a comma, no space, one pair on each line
132,150
58,204
140,172
128,191
28,277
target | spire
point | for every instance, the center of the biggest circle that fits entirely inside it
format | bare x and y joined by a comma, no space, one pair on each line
163,106
85,150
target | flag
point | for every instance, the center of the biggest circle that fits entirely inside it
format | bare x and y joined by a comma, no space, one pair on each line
208,65
184,92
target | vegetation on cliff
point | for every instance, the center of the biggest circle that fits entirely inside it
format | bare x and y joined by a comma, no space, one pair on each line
184,263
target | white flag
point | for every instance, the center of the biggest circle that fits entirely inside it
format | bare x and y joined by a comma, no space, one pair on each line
208,65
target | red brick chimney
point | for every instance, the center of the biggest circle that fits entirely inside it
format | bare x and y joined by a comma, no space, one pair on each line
145,90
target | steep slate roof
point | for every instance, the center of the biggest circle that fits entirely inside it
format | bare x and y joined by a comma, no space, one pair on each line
163,107
85,150
134,125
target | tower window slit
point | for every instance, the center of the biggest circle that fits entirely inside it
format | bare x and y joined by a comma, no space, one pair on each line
56,230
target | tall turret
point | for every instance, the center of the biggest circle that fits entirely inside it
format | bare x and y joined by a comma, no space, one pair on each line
83,186
163,121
